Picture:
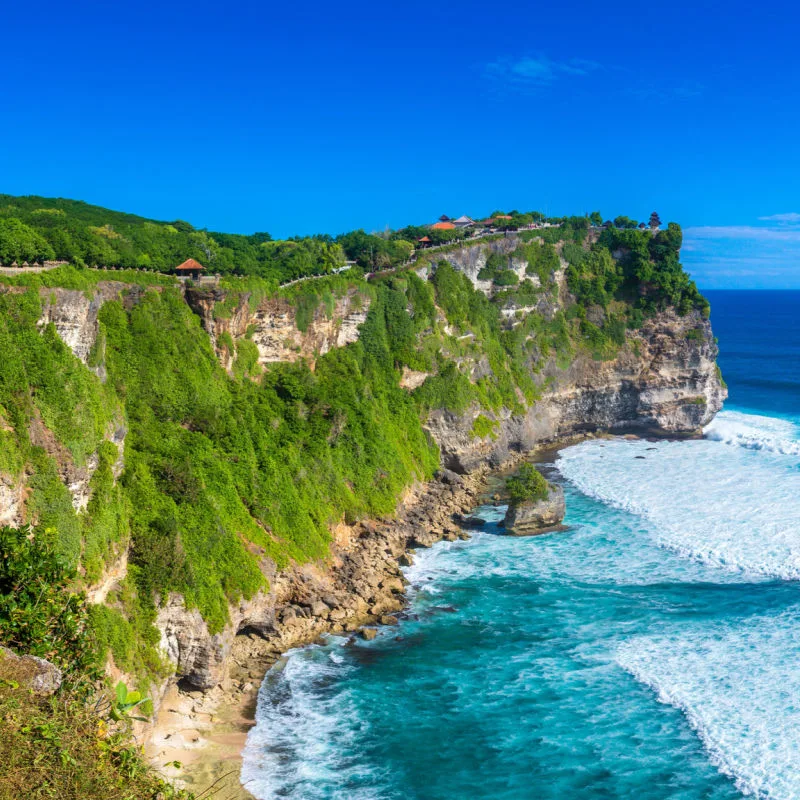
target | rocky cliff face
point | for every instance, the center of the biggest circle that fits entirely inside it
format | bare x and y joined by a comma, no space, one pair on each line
75,314
663,382
273,326
471,259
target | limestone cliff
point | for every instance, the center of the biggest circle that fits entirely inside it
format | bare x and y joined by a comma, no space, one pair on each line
272,325
662,380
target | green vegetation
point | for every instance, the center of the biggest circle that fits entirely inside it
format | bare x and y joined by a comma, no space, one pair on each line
76,744
62,747
40,612
224,470
71,277
651,271
527,485
35,229
483,426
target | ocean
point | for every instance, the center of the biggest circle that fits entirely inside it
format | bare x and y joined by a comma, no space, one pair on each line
651,651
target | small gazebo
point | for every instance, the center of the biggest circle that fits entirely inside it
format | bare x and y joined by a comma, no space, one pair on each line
190,269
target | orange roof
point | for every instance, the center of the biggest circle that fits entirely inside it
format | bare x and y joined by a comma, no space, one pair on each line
189,264
424,239
503,216
443,226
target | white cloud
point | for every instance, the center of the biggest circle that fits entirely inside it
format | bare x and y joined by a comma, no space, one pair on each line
537,71
791,218
750,232
745,256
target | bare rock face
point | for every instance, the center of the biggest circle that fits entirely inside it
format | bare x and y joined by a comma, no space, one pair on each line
74,314
470,259
39,675
537,516
273,325
187,643
663,382
11,501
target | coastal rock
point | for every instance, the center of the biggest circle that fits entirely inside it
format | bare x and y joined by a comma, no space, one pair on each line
320,609
664,382
536,516
469,521
37,674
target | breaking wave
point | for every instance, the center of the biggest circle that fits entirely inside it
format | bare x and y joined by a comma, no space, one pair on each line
734,507
739,687
755,432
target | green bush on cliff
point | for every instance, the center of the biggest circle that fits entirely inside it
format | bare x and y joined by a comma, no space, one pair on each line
482,426
653,275
527,485
40,613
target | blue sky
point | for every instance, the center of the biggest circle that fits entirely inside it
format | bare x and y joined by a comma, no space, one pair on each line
298,118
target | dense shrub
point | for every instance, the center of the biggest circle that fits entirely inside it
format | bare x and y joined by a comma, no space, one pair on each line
527,484
40,613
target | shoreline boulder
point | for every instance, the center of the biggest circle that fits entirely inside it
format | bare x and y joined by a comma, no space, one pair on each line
529,517
535,505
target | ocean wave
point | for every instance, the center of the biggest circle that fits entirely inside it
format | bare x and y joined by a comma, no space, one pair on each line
306,726
735,508
739,688
755,432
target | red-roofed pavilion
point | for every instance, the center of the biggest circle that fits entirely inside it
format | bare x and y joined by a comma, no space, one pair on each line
189,269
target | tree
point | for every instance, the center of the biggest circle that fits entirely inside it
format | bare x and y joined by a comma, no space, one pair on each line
596,218
625,222
20,243
528,484
655,221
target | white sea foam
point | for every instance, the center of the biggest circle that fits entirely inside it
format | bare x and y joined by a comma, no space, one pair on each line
739,687
305,724
731,507
755,432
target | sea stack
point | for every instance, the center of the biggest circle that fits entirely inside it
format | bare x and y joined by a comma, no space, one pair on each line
535,505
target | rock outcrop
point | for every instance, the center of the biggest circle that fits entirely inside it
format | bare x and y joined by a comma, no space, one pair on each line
537,516
663,382
272,325
362,584
37,674
74,314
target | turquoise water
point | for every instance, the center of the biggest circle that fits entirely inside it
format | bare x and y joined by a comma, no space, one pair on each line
651,651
